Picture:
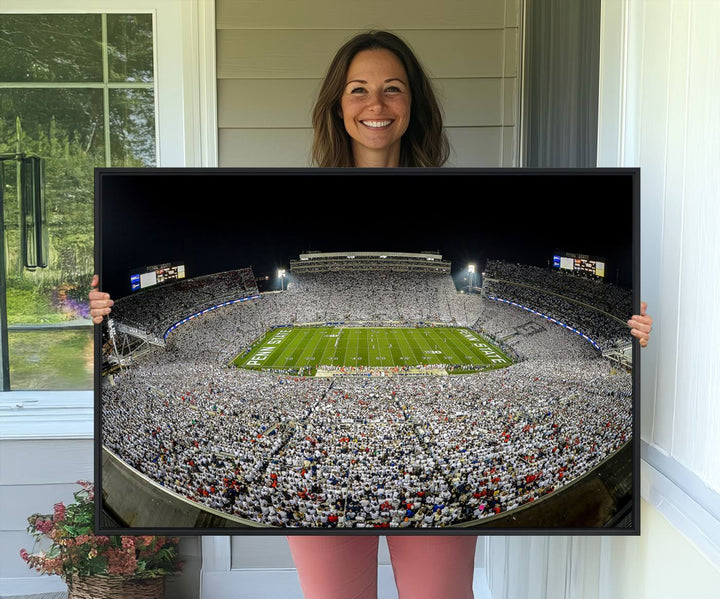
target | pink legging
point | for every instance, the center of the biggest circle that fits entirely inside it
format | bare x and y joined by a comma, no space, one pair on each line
426,567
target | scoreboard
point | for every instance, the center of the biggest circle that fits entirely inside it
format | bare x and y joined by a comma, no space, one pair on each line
580,263
148,276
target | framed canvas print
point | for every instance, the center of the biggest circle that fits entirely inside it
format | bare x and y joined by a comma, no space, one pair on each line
362,351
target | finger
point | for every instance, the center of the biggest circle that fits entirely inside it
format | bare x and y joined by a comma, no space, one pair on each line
641,336
98,314
99,296
638,320
95,281
641,325
643,308
99,308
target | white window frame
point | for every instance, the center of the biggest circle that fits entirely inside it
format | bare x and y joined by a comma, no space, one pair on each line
186,130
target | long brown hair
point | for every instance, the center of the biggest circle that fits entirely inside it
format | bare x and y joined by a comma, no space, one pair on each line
424,142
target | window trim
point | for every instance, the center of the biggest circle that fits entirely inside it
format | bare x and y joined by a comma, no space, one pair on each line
683,498
186,126
46,415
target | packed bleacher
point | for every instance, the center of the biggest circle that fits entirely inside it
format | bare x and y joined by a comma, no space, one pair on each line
597,308
155,310
396,296
363,452
595,291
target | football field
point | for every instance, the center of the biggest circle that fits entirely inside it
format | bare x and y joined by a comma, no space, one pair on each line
296,348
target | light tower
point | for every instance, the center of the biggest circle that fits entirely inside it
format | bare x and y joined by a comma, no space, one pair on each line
471,277
281,276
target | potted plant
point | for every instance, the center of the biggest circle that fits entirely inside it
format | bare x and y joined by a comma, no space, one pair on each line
95,566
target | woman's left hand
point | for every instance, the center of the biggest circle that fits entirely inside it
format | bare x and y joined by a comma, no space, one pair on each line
100,303
641,325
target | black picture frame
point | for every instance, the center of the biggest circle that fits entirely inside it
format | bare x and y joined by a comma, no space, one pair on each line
211,220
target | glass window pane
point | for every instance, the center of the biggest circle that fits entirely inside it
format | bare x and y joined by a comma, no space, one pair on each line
65,128
53,359
38,48
52,120
132,127
130,48
49,328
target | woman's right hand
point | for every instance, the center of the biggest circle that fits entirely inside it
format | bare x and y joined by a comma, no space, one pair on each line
641,325
100,302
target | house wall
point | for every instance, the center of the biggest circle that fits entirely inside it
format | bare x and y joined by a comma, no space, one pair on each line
659,111
271,58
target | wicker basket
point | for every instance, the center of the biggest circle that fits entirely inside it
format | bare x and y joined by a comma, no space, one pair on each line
116,587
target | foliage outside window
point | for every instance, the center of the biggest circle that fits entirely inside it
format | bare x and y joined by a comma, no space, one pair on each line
78,91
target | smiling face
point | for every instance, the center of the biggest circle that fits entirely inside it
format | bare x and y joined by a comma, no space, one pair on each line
375,107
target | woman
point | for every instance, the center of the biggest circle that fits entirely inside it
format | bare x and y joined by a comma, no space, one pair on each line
377,108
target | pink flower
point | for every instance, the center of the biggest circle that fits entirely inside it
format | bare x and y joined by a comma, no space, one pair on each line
44,526
53,565
121,562
59,512
128,542
147,540
77,555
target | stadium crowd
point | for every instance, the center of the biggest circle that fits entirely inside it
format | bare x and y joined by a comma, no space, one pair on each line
595,307
155,309
359,451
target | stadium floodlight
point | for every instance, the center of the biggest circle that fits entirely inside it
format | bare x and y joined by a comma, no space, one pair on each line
281,276
471,278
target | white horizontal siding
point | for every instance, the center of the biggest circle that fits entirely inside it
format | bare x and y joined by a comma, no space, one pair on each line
301,54
49,461
477,146
264,147
271,59
354,14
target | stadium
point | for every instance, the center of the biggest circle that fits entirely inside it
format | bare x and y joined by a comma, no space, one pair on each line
371,391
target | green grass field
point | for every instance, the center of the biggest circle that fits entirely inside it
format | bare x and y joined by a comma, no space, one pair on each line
305,348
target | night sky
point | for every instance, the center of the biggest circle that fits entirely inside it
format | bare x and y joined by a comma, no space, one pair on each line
214,220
